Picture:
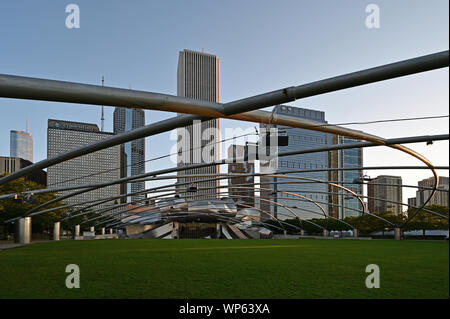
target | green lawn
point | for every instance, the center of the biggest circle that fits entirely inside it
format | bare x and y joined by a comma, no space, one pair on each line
309,268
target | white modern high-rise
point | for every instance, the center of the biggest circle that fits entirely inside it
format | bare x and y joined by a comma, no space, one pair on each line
198,78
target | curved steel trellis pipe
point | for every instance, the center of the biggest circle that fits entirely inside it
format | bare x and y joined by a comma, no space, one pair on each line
152,178
218,215
260,199
28,88
351,226
73,216
310,211
296,122
169,204
115,206
264,212
349,208
297,195
288,193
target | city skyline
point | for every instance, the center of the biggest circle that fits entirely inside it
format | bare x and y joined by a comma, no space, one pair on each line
215,158
153,66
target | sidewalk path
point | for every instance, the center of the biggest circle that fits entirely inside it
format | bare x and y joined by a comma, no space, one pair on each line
4,245
7,245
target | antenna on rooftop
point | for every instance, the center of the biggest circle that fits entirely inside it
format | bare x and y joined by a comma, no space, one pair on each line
27,125
103,110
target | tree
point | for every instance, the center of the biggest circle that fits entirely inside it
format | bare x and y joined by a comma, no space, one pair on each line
371,224
12,208
426,221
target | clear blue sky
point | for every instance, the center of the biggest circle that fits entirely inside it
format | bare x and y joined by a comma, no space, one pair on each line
262,45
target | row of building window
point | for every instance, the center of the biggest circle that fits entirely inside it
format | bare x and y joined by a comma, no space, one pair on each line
299,165
314,196
297,139
303,112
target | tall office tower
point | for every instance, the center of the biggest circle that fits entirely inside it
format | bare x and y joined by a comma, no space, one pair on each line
299,139
96,167
21,145
412,201
440,198
245,195
11,164
390,196
342,203
132,154
198,78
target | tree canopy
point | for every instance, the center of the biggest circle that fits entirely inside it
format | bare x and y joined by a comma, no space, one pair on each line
422,221
11,208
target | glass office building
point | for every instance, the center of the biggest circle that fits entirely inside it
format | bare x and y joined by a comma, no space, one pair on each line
132,153
342,203
299,139
21,145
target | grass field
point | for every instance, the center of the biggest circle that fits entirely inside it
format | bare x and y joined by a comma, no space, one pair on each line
309,268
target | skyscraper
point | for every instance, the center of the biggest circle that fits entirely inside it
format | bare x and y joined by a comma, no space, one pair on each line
243,195
342,203
132,154
21,145
389,191
299,139
440,197
198,78
13,164
95,167
412,202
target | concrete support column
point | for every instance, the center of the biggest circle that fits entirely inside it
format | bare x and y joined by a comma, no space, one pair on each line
92,229
218,230
56,231
110,230
77,230
23,230
103,230
355,233
175,230
302,232
397,233
325,233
